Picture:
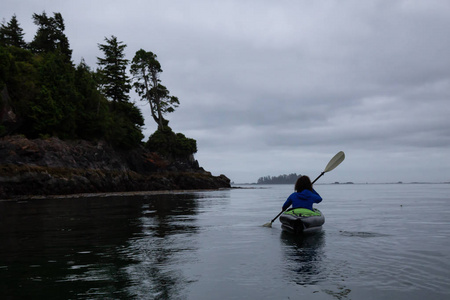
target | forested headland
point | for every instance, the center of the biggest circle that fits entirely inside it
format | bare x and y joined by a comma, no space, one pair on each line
281,179
45,95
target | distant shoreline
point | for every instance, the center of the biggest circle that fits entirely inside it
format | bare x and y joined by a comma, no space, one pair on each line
108,194
344,183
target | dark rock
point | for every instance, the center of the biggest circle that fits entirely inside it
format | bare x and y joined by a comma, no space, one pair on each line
53,166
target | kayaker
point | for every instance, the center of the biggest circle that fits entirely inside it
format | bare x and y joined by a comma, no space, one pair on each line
304,197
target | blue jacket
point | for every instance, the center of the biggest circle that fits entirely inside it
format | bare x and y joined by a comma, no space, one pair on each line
304,199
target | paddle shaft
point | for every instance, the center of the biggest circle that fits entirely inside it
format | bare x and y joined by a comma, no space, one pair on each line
311,183
334,162
321,174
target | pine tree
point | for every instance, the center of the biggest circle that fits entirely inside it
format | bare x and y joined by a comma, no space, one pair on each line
12,34
115,86
113,78
50,35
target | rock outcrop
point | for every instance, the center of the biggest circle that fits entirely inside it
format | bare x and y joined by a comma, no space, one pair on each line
55,167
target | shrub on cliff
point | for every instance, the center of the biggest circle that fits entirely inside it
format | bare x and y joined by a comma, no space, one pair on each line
171,145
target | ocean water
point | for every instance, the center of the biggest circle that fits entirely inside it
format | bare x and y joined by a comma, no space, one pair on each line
378,242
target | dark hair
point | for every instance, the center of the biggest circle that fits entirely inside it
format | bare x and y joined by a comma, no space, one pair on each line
303,183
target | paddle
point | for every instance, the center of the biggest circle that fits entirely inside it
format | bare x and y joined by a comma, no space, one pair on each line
334,162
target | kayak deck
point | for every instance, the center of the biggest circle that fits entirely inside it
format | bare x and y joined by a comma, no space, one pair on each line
302,220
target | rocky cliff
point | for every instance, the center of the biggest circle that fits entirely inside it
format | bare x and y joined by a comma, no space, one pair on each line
56,167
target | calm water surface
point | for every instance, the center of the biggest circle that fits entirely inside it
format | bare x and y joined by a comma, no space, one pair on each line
378,242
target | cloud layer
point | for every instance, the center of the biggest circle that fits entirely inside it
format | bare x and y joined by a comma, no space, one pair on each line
276,87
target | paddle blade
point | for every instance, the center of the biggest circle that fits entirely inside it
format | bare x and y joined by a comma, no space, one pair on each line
335,161
268,224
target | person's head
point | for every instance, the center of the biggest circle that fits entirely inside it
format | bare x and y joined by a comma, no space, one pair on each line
303,182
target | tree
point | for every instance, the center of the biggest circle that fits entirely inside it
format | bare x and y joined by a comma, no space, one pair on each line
126,131
113,78
115,86
281,179
19,75
51,97
145,69
50,35
172,145
12,34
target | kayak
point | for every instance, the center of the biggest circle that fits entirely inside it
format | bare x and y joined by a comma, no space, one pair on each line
302,220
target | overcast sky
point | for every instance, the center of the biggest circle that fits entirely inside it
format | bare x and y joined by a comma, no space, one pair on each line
279,87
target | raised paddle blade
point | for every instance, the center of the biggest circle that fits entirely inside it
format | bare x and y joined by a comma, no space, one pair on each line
335,161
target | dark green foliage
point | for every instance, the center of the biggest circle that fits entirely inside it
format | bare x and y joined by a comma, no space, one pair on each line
50,35
5,66
41,86
128,120
19,76
93,117
115,86
50,96
54,108
11,34
171,145
145,68
112,75
281,179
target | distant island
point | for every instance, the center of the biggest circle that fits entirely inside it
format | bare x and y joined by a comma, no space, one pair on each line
280,179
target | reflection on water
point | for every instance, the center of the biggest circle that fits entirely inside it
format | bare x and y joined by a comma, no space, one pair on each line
194,245
307,265
167,229
95,247
303,257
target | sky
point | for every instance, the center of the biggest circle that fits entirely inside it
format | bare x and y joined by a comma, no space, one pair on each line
278,87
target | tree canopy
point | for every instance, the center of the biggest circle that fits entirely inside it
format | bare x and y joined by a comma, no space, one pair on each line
11,34
281,179
115,86
112,75
50,96
50,35
146,69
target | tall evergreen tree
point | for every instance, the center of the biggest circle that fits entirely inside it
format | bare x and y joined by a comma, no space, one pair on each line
52,112
115,86
12,34
146,69
50,97
50,35
115,83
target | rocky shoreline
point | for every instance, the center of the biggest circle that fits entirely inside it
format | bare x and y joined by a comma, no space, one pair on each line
55,167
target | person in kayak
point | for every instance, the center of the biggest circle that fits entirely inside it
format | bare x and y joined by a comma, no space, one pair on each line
304,197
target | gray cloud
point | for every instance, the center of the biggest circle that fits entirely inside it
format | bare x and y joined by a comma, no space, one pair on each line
268,88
